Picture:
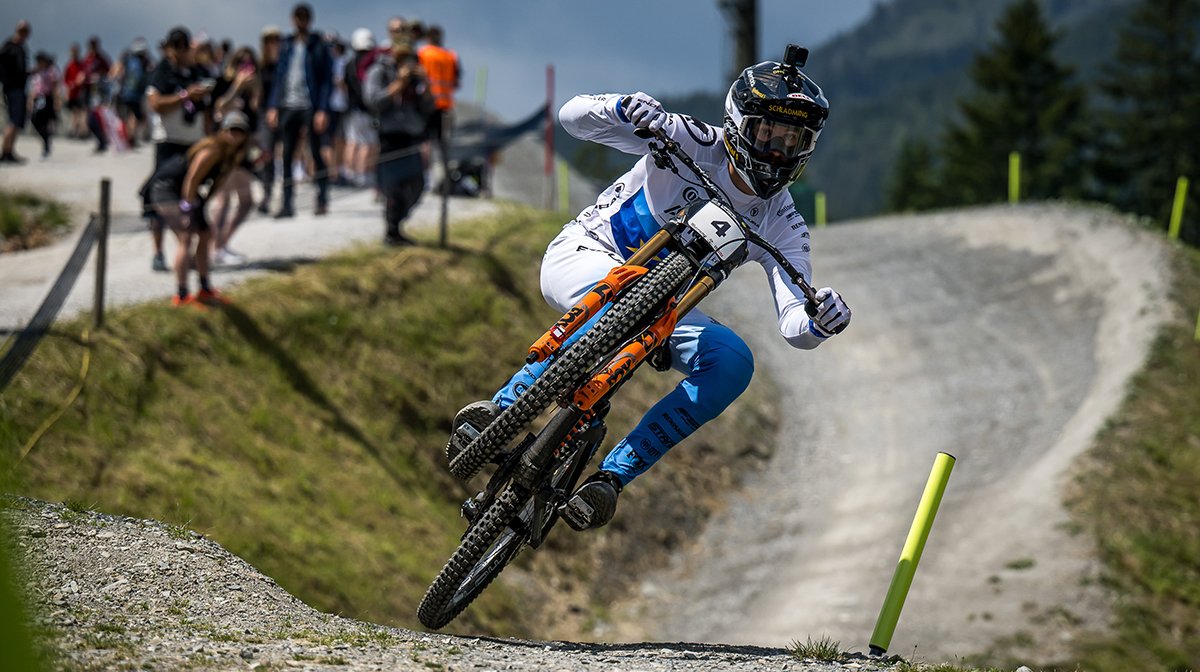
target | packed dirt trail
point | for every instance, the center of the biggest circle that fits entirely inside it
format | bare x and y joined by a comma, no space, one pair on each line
1004,336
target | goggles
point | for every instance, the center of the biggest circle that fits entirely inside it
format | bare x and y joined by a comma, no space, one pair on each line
776,143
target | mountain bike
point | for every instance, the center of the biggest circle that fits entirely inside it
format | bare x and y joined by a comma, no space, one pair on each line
638,305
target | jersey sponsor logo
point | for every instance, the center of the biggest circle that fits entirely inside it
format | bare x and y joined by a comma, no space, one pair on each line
805,247
616,189
701,132
612,255
690,194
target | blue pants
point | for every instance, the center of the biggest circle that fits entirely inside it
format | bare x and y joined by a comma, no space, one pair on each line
716,362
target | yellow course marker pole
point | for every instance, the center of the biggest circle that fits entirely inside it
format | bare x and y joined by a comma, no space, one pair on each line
885,625
1198,327
819,205
1181,188
564,187
1014,177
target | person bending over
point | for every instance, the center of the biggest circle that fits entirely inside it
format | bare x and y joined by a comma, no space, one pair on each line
178,191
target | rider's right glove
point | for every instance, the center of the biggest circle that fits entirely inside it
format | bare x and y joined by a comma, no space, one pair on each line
831,314
642,111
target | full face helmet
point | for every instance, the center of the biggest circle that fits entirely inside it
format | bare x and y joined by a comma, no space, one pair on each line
773,116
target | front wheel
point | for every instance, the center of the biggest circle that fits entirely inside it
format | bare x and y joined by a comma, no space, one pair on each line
486,548
569,368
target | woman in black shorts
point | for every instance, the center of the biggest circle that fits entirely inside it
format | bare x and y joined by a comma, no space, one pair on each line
179,190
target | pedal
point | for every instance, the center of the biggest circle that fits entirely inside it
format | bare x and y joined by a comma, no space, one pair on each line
474,506
460,438
577,513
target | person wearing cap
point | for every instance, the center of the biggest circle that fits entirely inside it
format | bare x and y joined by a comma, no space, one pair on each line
299,104
179,103
361,138
179,190
14,74
131,72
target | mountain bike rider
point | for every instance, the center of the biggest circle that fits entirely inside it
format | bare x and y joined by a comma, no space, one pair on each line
773,116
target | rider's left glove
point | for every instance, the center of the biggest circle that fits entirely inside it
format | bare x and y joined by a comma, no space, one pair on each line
830,315
642,111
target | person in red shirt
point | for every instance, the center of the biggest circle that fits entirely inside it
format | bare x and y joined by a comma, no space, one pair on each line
75,78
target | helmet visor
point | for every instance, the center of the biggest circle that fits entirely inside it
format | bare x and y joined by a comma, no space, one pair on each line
777,143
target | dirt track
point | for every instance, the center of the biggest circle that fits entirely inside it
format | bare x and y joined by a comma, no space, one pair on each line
1004,336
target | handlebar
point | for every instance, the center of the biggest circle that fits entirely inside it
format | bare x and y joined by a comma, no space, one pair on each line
665,150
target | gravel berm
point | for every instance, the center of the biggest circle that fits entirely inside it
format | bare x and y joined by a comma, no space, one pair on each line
111,592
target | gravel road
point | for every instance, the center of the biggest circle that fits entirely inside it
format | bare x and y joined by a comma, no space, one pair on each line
1004,336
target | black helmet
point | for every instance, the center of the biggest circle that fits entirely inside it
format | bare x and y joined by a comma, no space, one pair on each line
773,115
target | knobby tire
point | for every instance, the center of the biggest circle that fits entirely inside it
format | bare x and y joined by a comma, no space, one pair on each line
448,596
570,366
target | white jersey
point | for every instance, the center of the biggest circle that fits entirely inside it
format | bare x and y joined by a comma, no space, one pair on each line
642,200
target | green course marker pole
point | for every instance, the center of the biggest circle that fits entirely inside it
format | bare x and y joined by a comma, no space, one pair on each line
885,625
1181,188
1014,177
819,205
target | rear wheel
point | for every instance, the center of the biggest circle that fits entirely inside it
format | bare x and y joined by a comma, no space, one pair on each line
569,368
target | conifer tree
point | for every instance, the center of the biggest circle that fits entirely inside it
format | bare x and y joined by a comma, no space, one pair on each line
914,182
1154,132
1025,101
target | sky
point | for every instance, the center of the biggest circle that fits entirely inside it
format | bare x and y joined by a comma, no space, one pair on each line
662,47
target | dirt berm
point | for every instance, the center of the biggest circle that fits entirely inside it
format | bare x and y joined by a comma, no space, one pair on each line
1004,336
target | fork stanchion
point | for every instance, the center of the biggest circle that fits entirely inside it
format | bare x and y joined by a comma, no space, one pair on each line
906,567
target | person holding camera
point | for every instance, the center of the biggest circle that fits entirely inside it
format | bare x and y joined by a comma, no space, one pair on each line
397,91
179,101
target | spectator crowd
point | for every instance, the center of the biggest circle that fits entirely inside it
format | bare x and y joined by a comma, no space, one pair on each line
302,105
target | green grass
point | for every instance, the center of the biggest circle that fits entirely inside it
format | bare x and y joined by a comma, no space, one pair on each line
1139,495
303,427
28,220
823,649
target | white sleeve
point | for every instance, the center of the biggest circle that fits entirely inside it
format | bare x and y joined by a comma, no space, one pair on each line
595,118
789,300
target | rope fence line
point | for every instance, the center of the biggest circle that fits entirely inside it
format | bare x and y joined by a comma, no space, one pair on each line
28,338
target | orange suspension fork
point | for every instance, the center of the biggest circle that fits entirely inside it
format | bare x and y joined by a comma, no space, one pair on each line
596,298
581,312
635,352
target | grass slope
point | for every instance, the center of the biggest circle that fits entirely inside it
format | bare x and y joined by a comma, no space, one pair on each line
1139,494
303,428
